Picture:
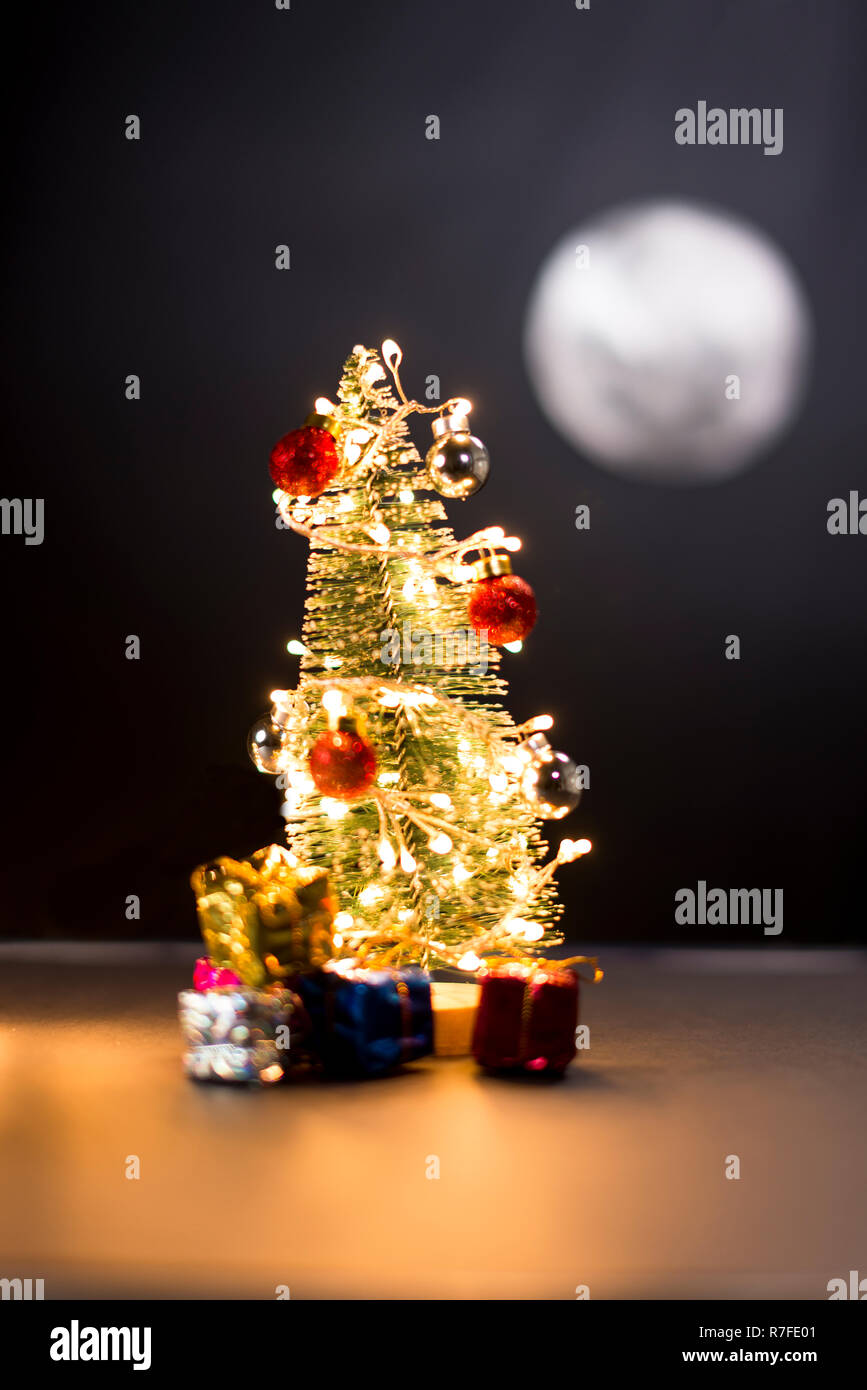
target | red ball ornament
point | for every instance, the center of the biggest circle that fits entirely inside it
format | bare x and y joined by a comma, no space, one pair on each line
304,461
501,604
342,763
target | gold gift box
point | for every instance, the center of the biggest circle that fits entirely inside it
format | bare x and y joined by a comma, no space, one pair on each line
264,917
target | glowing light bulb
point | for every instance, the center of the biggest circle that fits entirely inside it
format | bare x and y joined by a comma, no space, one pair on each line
334,702
440,844
370,895
334,810
356,441
513,646
299,778
385,850
380,534
391,353
461,406
277,495
512,543
406,495
343,921
572,849
460,873
331,663
499,781
297,648
469,961
407,863
340,967
442,800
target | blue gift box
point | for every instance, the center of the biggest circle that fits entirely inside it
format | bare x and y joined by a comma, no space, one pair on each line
366,1022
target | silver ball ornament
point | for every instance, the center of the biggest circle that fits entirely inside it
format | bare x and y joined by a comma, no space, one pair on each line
265,744
457,462
551,782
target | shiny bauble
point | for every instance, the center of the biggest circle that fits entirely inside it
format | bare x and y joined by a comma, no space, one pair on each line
457,462
342,763
305,461
552,785
502,606
265,744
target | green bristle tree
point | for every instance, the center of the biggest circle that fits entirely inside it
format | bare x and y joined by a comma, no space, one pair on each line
437,859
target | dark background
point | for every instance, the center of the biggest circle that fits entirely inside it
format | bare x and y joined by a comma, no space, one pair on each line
157,258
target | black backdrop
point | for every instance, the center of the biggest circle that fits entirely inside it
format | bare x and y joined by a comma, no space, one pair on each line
307,127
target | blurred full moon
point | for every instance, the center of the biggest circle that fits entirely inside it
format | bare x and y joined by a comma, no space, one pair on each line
667,341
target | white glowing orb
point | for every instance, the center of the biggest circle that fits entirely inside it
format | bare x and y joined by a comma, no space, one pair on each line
667,341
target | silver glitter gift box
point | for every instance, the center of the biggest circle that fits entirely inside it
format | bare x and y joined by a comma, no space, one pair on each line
237,1034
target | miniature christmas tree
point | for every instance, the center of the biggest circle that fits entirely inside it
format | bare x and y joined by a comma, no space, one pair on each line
404,776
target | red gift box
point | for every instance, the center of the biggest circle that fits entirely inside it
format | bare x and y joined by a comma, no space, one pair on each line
527,1017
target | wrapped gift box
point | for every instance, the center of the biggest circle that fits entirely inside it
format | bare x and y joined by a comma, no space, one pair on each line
527,1018
240,1034
264,918
454,1013
366,1022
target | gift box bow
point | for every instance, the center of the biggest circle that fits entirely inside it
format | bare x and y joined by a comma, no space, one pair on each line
492,965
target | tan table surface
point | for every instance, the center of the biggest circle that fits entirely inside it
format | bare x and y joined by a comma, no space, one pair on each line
613,1178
